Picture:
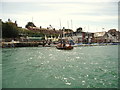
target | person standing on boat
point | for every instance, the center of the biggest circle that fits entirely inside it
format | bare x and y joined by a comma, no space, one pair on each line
64,43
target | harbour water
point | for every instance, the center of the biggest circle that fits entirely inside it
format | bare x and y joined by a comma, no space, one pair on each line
48,67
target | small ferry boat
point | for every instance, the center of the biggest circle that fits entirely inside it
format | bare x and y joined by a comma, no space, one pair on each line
66,47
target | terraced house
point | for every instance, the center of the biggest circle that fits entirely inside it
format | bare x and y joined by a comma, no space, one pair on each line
107,37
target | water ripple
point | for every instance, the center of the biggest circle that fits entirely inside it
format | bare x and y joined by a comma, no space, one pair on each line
82,67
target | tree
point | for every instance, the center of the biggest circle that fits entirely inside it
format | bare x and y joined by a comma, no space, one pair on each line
79,29
30,24
9,30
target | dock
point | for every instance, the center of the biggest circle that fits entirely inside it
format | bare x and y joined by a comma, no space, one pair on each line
20,44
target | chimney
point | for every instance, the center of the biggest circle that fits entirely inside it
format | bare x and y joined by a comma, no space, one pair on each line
9,20
15,22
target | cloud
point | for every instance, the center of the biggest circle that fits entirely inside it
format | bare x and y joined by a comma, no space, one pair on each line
82,13
60,1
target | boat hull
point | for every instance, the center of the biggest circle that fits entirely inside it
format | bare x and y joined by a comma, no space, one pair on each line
65,48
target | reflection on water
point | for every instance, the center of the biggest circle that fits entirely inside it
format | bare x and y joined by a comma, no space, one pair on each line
48,67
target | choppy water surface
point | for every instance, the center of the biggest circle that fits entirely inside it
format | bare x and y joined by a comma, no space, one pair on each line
48,67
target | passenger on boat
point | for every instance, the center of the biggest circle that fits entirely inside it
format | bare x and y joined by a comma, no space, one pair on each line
64,45
61,45
68,45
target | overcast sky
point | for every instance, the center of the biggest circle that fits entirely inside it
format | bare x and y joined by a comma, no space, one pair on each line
91,15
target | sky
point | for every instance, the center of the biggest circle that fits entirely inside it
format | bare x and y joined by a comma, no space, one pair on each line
91,15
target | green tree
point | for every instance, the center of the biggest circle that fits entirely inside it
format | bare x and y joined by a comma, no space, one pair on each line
9,30
30,24
79,29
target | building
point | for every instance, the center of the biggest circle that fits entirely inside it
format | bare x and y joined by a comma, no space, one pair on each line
80,37
107,37
115,35
45,31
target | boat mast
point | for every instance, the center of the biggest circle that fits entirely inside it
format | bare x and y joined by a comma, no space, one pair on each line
71,24
60,28
32,19
68,24
32,22
60,23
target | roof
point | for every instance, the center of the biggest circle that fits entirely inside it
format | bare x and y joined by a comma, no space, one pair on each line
99,34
